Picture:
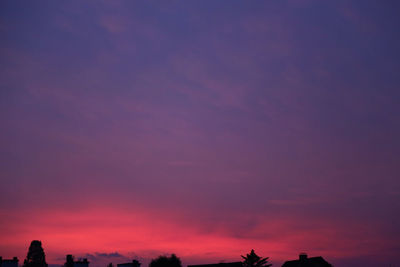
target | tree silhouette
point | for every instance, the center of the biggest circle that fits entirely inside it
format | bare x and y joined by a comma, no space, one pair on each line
253,260
110,265
35,256
164,261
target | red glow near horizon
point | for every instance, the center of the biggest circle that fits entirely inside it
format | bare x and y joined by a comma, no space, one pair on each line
145,235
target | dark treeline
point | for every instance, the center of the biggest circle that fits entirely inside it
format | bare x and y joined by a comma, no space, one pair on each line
36,258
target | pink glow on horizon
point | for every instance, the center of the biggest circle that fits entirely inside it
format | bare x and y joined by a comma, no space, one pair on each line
147,235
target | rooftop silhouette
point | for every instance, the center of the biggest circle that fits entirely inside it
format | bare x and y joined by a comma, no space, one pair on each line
36,258
134,263
9,262
222,264
304,261
71,262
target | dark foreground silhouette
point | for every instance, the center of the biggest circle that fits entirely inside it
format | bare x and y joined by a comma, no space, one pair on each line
36,258
133,263
71,262
253,259
164,261
307,262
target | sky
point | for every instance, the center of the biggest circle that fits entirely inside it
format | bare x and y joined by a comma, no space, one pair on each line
133,129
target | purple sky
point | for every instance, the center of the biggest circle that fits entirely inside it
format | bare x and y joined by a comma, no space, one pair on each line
201,128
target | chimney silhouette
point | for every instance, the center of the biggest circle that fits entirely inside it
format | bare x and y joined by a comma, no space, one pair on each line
303,256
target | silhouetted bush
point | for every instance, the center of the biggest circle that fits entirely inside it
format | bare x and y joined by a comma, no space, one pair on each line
164,261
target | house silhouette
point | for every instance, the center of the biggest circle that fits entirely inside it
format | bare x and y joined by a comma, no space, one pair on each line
222,264
133,263
9,263
304,261
71,262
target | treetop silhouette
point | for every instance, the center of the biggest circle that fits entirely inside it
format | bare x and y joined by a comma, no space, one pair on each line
35,256
253,260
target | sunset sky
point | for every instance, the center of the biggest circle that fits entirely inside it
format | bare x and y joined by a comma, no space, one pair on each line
132,129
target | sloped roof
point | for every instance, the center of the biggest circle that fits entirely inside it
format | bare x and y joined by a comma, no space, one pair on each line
223,264
308,262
